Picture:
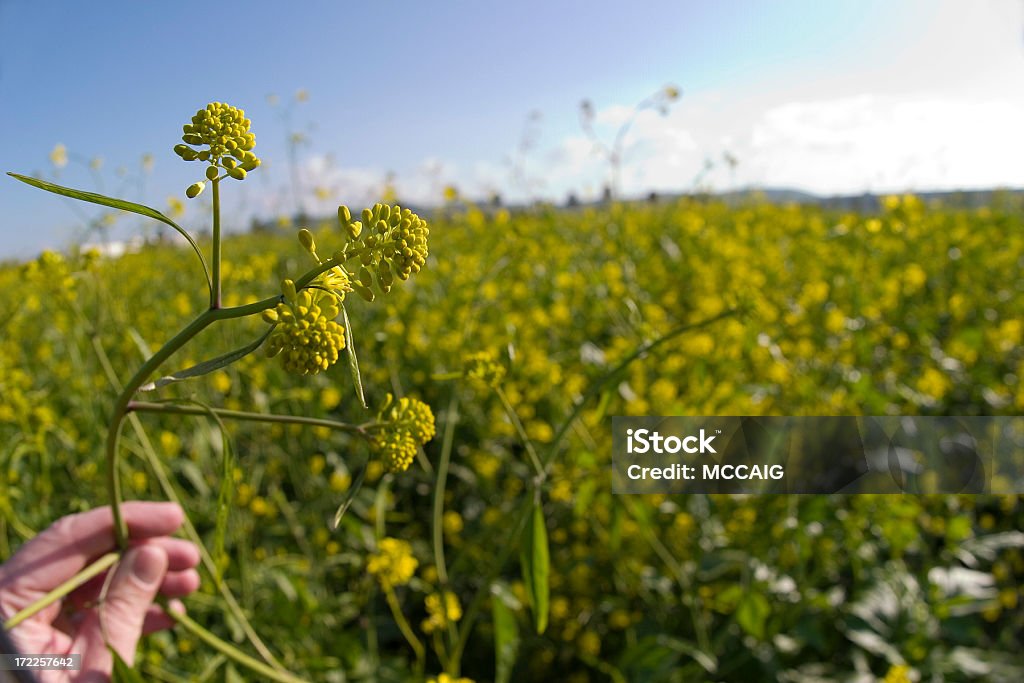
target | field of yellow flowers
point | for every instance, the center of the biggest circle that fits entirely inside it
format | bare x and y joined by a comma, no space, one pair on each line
525,332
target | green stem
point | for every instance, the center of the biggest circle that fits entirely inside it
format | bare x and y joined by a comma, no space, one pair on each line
215,292
229,650
403,625
437,521
304,280
439,486
145,406
205,319
517,423
121,409
94,569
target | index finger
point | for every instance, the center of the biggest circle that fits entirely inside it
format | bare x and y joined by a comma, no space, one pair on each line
59,552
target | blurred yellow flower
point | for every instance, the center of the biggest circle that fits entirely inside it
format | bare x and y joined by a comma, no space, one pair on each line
393,564
59,156
441,611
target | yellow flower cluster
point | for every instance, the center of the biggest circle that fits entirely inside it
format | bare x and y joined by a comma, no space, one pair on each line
442,609
306,336
393,564
410,243
407,423
396,449
51,270
224,130
394,244
482,366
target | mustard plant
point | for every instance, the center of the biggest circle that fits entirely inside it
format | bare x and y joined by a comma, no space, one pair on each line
308,330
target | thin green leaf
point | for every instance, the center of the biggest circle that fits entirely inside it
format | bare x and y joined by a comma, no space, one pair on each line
123,673
350,495
705,659
140,343
208,366
653,657
535,563
506,639
103,200
353,362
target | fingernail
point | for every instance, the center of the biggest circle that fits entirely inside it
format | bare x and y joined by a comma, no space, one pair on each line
148,565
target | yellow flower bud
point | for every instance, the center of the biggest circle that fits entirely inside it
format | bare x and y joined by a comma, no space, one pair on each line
409,423
306,240
384,276
365,277
306,337
363,291
211,172
224,130
288,289
195,189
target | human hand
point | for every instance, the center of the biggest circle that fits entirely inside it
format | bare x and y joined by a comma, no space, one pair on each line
153,563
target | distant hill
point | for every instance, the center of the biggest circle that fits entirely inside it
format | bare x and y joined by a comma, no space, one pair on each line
870,202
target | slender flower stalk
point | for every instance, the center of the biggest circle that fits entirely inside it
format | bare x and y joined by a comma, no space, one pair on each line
404,627
215,264
95,569
229,650
360,430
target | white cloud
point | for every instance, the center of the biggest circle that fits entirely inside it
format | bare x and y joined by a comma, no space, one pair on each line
887,143
840,145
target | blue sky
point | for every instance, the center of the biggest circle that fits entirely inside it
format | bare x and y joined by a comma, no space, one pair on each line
844,96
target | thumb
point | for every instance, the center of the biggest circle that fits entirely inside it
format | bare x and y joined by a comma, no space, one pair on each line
118,622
